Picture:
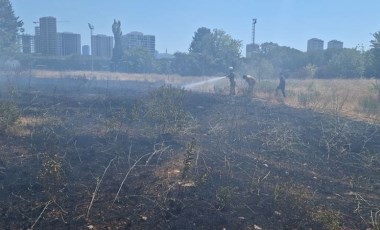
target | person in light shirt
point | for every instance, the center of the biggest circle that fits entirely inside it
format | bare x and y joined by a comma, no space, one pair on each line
251,81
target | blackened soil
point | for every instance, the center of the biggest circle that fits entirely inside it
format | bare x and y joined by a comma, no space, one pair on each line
92,158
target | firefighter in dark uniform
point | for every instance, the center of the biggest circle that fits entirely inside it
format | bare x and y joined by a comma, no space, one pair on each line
231,76
281,86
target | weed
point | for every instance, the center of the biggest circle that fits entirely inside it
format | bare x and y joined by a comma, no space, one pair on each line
189,157
9,113
51,172
376,88
310,97
328,218
277,191
224,195
370,105
265,87
163,108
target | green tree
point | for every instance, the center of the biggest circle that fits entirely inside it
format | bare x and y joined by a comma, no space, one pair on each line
163,65
348,63
117,54
375,43
210,52
138,60
188,64
202,41
227,51
10,25
283,57
374,66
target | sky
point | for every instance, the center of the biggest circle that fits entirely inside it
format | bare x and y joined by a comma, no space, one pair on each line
173,22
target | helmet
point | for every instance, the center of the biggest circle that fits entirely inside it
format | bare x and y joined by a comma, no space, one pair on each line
231,68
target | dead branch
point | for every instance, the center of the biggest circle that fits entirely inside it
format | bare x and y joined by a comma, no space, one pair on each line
126,176
39,217
97,188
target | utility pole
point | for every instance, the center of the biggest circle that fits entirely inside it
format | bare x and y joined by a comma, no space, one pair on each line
91,27
253,30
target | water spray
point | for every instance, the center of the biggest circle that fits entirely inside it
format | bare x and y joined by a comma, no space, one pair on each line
192,85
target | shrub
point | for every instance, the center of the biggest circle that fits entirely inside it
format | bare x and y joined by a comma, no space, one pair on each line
163,107
370,104
307,99
9,113
267,87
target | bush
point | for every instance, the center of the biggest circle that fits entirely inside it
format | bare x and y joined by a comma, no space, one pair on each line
163,108
370,104
9,113
307,99
267,87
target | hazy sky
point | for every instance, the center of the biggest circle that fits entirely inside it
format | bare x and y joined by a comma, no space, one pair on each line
173,22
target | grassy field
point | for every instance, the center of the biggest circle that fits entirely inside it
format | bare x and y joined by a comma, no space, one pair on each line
358,98
355,98
79,151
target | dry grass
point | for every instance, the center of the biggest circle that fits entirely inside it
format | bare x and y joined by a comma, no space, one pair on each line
339,96
344,97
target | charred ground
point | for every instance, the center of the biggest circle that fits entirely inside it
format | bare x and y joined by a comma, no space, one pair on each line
84,153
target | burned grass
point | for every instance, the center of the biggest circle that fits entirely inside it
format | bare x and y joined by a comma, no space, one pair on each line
138,160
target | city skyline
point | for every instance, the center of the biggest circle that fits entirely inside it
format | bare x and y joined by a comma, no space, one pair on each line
285,22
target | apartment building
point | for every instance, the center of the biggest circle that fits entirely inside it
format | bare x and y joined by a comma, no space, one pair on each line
314,44
335,44
47,36
101,45
68,44
138,39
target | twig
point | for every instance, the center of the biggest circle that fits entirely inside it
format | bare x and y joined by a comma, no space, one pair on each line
97,188
125,178
39,217
160,150
76,149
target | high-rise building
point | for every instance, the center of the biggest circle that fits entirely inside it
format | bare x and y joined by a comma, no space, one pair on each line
335,44
48,36
26,43
37,40
138,39
68,44
101,45
86,50
314,44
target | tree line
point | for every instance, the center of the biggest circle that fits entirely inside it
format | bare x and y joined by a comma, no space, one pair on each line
211,52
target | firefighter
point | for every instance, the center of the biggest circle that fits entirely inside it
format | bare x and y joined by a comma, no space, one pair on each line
281,85
251,81
231,76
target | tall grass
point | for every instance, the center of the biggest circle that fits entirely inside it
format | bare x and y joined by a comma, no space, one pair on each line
356,98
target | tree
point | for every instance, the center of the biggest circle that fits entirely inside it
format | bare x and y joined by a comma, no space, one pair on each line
202,41
117,54
188,64
283,57
376,42
138,60
10,25
374,67
211,52
349,63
